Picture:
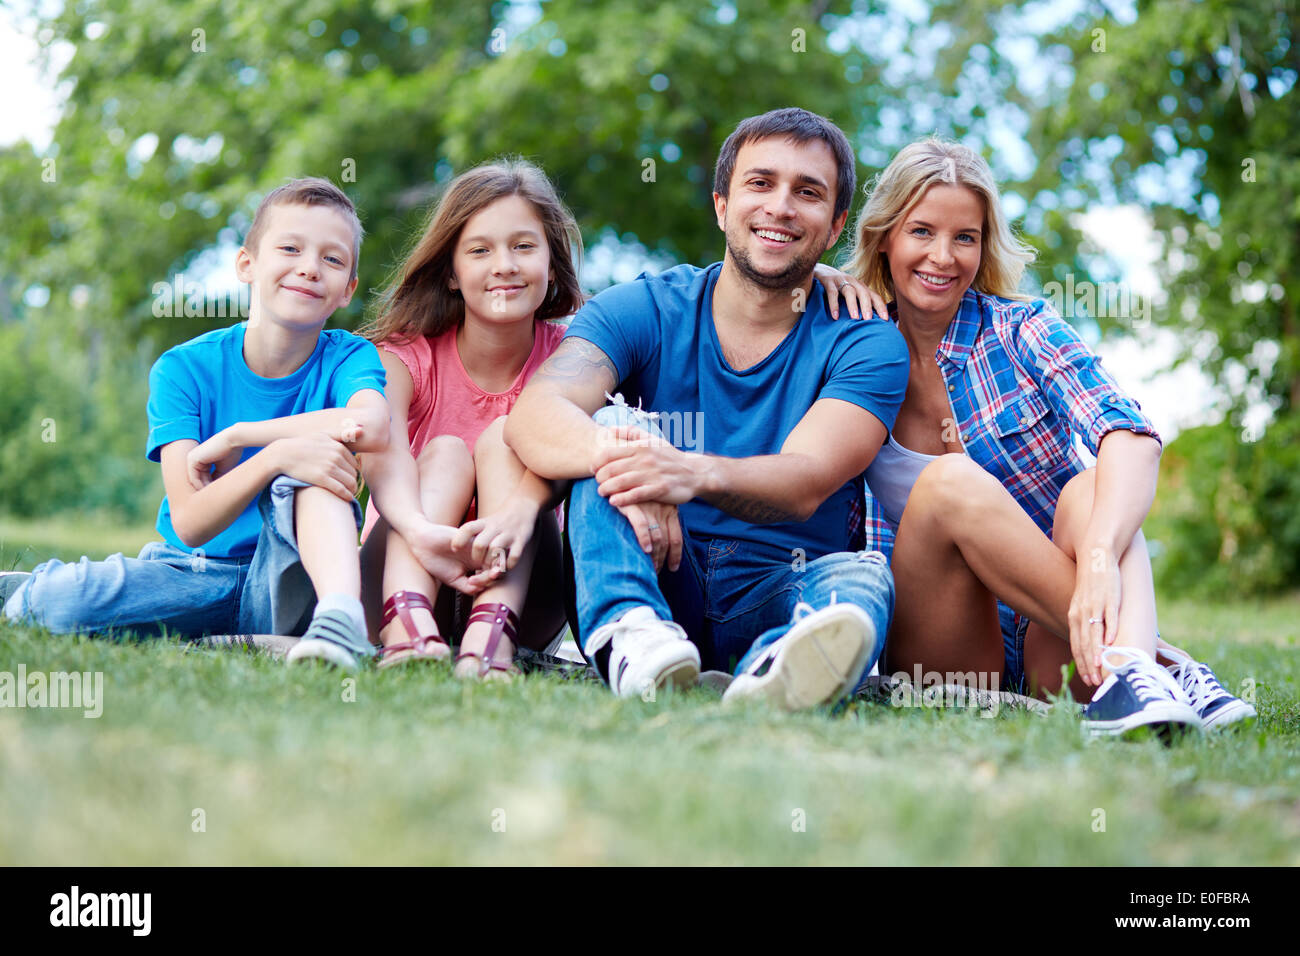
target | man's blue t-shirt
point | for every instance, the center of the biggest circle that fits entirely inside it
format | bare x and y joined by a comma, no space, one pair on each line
204,385
659,333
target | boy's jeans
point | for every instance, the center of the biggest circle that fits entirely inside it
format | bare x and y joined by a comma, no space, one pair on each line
185,592
733,598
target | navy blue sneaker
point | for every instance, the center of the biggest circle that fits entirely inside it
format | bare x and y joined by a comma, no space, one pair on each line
1216,707
1139,694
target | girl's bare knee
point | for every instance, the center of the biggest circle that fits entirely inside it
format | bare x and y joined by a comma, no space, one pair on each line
444,452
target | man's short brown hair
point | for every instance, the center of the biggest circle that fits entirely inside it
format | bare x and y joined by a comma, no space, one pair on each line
800,126
309,191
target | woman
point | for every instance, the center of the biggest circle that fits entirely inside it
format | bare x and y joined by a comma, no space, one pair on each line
979,479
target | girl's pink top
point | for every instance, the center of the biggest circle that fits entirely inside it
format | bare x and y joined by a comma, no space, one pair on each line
445,400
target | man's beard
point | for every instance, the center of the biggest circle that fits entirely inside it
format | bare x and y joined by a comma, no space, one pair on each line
794,274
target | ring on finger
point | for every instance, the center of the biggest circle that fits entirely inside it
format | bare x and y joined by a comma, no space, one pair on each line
1094,620
654,527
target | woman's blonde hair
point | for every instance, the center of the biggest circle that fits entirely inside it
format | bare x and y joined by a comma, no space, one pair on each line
895,192
418,300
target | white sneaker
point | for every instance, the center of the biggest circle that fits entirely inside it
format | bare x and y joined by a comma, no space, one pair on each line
646,653
818,661
1216,707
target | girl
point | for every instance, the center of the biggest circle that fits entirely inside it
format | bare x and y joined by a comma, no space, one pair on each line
461,328
979,479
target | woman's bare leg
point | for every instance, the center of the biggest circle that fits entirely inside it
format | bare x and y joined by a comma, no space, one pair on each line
1046,653
963,539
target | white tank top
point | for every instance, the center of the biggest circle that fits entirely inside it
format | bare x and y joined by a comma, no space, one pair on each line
891,476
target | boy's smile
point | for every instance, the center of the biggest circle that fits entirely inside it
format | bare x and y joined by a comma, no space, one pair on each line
301,270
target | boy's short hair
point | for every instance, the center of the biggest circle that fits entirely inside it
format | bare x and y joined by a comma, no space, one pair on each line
309,191
800,126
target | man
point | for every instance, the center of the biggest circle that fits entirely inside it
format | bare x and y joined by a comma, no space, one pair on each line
783,408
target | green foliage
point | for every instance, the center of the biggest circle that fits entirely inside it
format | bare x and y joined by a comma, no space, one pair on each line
74,429
1225,515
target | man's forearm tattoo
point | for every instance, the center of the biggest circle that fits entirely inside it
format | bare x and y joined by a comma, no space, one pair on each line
752,510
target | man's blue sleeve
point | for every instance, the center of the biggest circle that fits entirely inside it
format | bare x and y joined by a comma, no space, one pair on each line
871,371
623,322
173,404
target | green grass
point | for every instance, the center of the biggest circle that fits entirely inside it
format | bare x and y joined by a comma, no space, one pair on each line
418,769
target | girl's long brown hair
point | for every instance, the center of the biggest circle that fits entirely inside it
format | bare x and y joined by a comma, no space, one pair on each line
419,299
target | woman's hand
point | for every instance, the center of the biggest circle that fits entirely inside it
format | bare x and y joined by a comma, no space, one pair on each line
839,283
1094,609
498,540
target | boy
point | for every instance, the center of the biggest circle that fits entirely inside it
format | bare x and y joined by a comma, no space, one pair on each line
255,427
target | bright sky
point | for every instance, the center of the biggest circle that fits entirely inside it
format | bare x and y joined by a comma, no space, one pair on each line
1173,400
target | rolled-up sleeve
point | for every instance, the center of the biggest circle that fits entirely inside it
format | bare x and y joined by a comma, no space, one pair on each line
1072,377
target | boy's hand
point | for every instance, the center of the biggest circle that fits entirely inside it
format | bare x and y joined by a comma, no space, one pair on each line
435,548
318,460
212,459
498,541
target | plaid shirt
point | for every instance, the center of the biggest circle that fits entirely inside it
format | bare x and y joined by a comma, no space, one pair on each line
1022,383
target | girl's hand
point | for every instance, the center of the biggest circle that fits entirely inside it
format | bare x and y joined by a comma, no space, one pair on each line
1094,609
434,546
498,540
212,459
839,283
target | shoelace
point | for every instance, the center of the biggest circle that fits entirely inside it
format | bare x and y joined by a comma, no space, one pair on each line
652,632
1198,683
1149,680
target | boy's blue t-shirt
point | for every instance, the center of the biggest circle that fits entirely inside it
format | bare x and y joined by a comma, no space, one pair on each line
204,385
659,333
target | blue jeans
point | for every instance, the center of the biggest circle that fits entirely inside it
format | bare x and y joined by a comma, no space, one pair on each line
733,598
184,592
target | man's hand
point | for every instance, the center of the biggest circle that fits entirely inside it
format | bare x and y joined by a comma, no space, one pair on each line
434,546
498,541
212,459
658,530
318,460
633,467
839,283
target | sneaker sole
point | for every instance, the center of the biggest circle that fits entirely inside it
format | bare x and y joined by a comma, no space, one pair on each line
1234,712
1165,720
679,674
815,667
11,581
317,649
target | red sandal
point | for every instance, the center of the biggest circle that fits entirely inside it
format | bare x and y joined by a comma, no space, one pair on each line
417,648
504,622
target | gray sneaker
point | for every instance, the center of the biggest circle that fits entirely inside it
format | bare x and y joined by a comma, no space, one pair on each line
332,638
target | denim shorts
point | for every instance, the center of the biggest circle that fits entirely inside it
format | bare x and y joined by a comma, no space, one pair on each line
184,593
1014,626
